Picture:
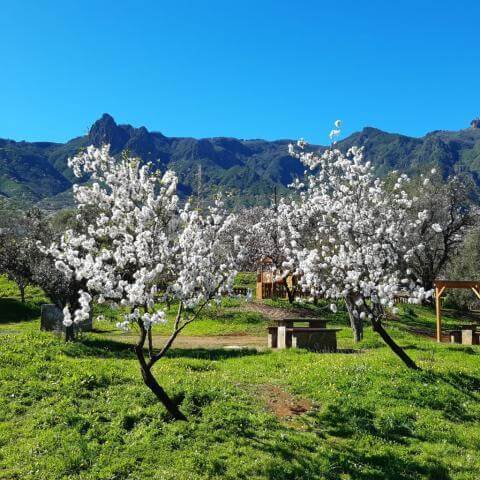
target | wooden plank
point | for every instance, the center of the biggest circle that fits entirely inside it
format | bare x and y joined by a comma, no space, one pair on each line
457,284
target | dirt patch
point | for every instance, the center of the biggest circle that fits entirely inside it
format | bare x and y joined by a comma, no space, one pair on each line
203,341
282,404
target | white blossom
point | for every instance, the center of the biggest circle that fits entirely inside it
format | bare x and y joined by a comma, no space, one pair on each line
351,232
137,240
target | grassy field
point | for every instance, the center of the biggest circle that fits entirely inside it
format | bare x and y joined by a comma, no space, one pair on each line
80,410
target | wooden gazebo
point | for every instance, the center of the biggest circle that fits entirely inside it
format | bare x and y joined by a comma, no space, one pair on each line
440,286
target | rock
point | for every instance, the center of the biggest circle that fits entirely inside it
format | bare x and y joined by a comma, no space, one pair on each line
106,131
51,320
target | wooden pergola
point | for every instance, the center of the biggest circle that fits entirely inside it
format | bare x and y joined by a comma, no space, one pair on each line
440,286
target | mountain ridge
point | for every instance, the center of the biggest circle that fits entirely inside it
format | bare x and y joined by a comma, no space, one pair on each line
37,172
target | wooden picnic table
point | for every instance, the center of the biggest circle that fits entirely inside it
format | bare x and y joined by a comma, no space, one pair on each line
465,334
316,336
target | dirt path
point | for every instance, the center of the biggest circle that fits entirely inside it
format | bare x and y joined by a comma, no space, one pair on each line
217,341
234,341
275,313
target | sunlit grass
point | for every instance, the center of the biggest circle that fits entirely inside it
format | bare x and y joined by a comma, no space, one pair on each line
79,411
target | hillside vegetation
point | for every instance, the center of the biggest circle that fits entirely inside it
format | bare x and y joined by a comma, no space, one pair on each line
249,169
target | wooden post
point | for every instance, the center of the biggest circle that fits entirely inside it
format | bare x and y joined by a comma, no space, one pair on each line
259,294
438,309
475,291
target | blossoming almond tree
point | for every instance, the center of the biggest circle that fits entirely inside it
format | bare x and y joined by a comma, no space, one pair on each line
349,237
138,246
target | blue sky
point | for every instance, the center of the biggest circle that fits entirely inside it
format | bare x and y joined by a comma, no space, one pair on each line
249,69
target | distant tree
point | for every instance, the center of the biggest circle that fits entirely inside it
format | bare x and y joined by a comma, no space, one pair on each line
446,212
63,220
19,252
260,230
246,219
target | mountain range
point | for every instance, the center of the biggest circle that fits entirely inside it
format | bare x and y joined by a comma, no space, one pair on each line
37,172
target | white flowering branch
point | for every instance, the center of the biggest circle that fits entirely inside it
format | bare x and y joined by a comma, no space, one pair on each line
349,236
137,243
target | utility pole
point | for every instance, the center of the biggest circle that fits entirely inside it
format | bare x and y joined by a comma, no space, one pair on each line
199,187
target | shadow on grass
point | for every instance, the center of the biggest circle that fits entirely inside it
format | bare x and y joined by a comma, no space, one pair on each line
462,382
414,346
339,460
106,348
348,350
417,324
224,316
463,349
214,353
385,465
13,310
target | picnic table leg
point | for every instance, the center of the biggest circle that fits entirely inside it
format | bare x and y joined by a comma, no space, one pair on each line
272,337
467,337
282,337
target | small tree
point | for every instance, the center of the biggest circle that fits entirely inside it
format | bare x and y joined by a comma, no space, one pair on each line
349,237
137,247
19,252
445,210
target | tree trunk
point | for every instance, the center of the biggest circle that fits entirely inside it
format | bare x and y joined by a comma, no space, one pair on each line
160,393
378,327
70,333
21,287
355,321
290,292
154,386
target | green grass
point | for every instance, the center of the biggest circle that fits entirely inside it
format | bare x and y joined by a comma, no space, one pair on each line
79,411
228,318
246,279
419,318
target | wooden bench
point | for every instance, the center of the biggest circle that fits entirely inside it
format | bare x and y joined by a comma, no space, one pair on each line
466,335
316,336
316,339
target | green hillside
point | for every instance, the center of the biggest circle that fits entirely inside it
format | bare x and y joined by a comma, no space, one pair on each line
248,169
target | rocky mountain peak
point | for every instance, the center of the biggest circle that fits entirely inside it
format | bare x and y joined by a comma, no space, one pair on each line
105,130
